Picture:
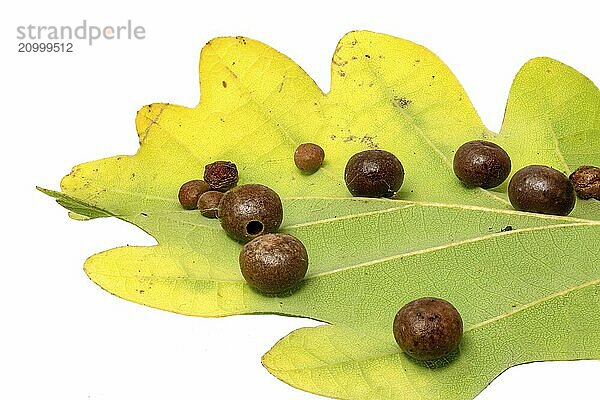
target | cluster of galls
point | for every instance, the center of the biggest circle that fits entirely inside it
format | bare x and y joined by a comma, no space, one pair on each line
534,188
272,263
205,195
426,329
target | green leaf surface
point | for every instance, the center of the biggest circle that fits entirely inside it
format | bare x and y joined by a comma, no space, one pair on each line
529,293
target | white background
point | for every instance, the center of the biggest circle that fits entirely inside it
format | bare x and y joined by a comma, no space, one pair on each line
61,336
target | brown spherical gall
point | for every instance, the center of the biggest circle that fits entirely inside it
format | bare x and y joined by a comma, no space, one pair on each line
374,173
586,182
541,189
274,263
248,211
309,157
208,203
190,192
481,164
428,329
221,175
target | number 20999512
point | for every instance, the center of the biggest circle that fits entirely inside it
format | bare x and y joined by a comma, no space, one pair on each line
26,47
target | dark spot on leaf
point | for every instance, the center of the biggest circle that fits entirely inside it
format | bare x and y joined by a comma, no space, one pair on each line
401,102
341,73
280,88
418,60
224,84
353,43
339,63
222,119
507,228
144,214
367,140
368,56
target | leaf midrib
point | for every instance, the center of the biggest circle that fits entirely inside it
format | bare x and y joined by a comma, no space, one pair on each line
451,205
398,203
